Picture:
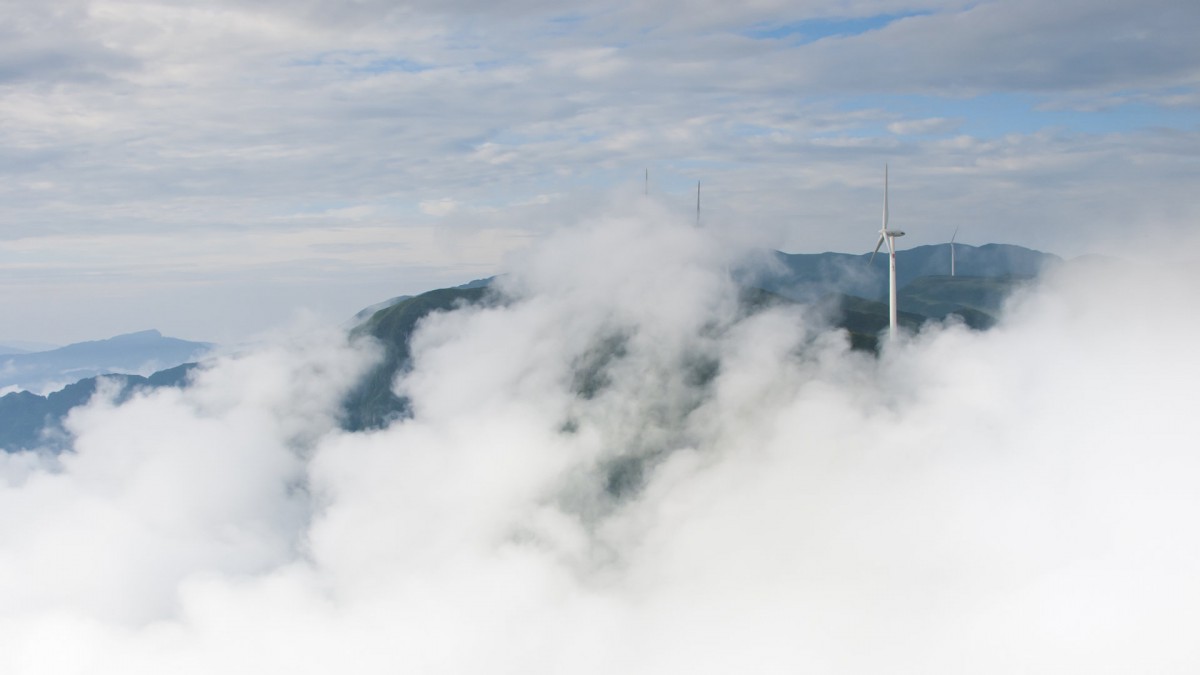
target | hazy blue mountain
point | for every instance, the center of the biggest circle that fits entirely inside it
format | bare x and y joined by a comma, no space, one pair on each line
21,347
800,275
135,353
977,300
30,421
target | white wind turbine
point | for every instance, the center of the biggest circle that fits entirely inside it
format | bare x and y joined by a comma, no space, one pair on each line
890,237
952,251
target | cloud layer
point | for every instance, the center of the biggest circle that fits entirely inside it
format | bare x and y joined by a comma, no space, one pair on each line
617,468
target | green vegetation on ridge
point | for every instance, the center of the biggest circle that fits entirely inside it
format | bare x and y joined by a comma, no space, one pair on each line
28,420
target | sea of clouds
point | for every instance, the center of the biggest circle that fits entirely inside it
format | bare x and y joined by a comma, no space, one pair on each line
617,468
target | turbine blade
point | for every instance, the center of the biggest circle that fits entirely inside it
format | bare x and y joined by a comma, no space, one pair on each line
953,236
885,195
877,245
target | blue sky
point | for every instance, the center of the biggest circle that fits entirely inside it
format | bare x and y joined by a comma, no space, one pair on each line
810,30
213,170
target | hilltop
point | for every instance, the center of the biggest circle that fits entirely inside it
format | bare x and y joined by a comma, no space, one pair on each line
855,290
851,289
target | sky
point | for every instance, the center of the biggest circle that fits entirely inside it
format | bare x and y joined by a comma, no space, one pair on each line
215,170
1019,499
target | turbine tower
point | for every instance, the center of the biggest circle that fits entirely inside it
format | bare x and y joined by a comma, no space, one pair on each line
890,237
952,251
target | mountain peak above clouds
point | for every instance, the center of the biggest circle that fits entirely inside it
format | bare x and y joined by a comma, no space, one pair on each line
138,353
986,276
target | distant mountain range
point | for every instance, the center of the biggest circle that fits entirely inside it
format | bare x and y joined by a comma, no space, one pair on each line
139,353
28,420
801,275
853,289
19,347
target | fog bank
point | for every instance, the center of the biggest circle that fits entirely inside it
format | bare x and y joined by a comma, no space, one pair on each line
618,468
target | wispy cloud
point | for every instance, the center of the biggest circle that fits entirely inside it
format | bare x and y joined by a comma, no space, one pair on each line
133,117
928,126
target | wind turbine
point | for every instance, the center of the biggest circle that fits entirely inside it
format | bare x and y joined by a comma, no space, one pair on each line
890,237
952,251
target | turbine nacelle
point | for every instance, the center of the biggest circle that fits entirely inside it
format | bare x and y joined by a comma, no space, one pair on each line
884,235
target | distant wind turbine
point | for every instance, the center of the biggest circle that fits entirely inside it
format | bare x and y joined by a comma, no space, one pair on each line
697,203
952,251
890,237
647,192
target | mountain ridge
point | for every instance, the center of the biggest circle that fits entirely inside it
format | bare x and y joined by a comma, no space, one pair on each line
141,352
28,419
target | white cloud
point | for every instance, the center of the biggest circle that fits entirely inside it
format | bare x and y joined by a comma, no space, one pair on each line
146,117
588,64
998,499
494,153
439,207
931,125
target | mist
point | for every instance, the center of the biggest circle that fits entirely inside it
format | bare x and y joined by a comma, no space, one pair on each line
615,466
